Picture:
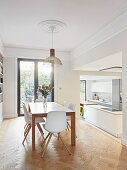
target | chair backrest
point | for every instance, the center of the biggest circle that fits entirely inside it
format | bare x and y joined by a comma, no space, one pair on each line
26,114
56,121
72,106
64,103
39,100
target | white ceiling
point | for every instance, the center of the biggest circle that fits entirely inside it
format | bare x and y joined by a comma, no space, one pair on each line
106,62
84,18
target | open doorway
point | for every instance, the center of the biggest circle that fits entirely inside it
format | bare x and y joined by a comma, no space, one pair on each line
102,107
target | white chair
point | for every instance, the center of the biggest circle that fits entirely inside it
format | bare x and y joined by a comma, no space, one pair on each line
28,119
55,123
72,107
39,100
64,103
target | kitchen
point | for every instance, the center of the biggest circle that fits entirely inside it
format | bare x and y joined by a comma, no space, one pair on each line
101,103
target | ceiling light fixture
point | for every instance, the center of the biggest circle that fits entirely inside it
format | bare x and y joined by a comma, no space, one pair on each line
52,26
112,69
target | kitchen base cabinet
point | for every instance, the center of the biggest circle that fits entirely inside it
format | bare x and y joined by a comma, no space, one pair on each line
109,121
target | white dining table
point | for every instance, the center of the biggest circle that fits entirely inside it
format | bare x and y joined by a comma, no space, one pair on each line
37,109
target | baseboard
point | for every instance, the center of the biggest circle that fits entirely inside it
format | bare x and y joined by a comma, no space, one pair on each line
9,116
124,141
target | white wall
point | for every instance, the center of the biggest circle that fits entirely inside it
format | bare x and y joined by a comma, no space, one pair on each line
1,47
67,85
66,81
10,87
124,92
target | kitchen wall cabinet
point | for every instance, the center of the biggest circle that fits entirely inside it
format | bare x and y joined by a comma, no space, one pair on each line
104,87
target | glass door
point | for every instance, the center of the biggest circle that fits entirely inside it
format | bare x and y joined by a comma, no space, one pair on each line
26,83
45,76
31,74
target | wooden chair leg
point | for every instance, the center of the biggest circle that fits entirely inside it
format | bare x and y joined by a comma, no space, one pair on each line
46,145
26,134
58,136
26,129
55,135
67,129
40,130
64,145
69,125
45,139
25,125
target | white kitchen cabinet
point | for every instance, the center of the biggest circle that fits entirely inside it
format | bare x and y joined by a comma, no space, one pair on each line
105,87
110,122
94,87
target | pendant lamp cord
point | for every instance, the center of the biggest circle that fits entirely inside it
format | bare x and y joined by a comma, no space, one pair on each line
52,29
52,39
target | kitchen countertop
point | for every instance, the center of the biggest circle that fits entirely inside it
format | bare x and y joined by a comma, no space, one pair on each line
87,103
102,108
98,101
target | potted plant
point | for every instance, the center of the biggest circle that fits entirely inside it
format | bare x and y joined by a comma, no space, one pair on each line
45,91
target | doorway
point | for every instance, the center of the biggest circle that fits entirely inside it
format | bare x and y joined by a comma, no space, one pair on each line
31,74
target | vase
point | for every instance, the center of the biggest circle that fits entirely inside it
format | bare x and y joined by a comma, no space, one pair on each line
45,101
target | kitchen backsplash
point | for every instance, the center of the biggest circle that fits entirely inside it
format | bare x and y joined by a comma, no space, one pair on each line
104,97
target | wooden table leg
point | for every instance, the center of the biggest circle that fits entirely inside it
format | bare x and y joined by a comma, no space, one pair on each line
73,129
33,132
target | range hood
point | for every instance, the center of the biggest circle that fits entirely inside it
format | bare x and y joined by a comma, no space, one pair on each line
112,69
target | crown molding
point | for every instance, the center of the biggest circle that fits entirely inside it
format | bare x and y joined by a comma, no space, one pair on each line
31,48
118,25
18,52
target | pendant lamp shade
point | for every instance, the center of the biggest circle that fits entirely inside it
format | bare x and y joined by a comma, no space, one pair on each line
52,26
52,58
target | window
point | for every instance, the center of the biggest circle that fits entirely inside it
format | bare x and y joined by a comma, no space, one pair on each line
82,90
